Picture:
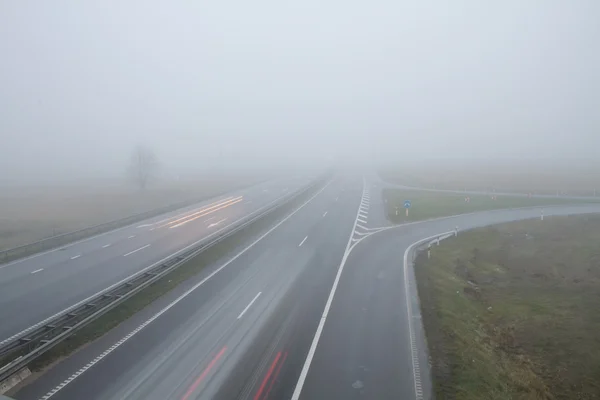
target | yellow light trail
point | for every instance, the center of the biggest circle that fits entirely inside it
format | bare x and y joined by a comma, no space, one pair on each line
187,213
224,205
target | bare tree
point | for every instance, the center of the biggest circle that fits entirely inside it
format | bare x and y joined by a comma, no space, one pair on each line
144,166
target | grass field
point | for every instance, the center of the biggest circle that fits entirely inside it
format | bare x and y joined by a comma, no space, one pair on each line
29,214
503,177
425,205
512,311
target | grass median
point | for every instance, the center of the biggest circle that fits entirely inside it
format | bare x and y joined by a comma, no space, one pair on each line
511,311
217,253
425,205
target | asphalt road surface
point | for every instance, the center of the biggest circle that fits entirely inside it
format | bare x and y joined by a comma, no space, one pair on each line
316,308
37,287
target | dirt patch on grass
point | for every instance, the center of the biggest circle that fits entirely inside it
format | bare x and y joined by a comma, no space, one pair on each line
513,311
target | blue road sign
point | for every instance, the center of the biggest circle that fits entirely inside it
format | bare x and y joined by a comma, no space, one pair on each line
406,203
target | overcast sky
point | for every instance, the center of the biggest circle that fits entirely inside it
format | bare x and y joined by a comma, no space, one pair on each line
248,82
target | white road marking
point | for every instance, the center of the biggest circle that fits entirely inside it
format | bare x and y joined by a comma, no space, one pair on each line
131,237
217,223
144,225
37,270
177,300
412,336
105,246
76,257
87,299
248,306
313,346
361,220
302,242
325,213
135,251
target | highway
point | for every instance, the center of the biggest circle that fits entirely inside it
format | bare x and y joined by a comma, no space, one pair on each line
314,308
37,287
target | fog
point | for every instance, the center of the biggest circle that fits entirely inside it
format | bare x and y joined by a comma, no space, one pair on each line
212,85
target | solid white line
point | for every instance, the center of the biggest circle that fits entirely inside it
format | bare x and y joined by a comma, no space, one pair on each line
105,246
325,213
37,270
302,242
248,306
131,237
177,300
76,257
135,251
313,346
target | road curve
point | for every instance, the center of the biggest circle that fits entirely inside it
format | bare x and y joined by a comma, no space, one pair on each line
253,326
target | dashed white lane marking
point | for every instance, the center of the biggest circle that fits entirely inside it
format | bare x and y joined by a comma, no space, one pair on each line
216,223
136,250
76,257
177,300
131,237
37,270
325,213
106,245
361,220
248,306
302,242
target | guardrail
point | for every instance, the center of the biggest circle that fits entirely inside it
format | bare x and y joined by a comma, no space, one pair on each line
70,237
35,341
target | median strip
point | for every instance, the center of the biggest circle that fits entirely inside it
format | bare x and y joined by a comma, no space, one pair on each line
163,283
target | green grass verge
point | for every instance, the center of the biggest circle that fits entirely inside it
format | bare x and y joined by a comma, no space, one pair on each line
219,252
425,205
512,311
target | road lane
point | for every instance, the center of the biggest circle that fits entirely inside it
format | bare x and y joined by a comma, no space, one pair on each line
78,271
365,348
167,357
